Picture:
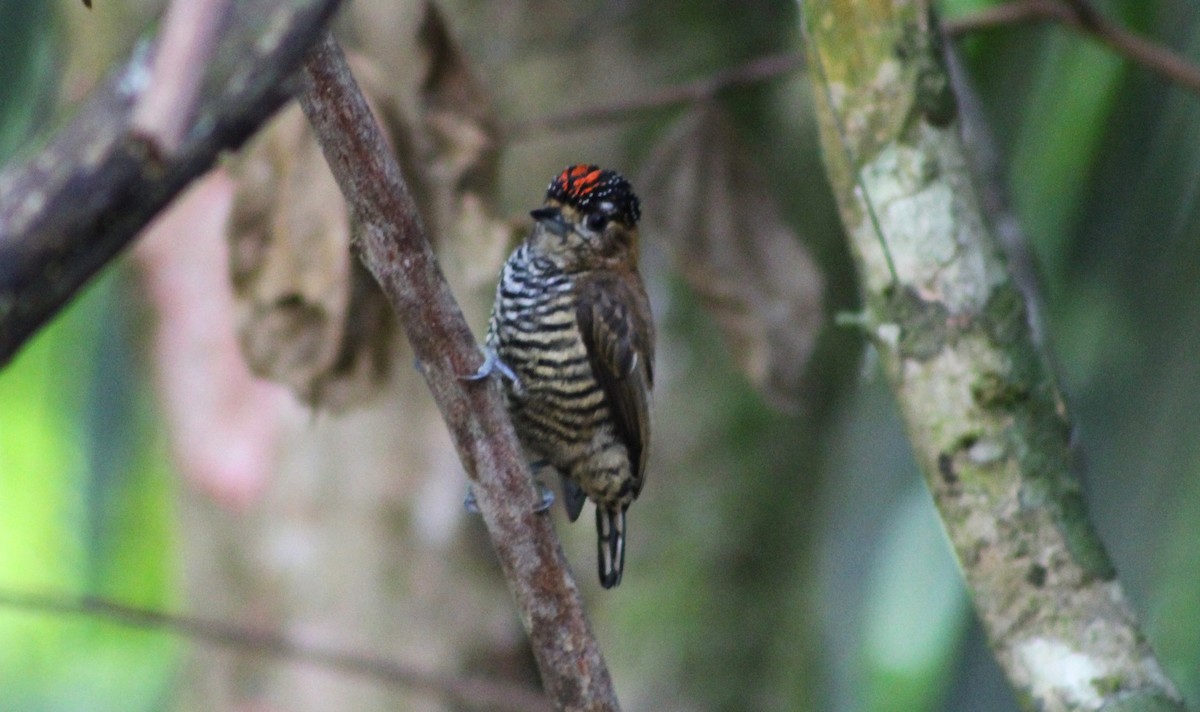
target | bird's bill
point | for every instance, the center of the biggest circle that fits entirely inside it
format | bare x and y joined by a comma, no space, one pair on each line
553,219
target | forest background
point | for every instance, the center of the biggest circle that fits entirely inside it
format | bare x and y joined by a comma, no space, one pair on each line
785,554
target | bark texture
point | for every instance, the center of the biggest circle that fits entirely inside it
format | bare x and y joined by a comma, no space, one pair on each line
71,208
987,421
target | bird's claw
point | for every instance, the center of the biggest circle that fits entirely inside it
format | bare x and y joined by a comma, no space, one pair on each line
545,499
469,502
492,364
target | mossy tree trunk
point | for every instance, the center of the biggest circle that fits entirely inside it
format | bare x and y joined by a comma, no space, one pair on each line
987,421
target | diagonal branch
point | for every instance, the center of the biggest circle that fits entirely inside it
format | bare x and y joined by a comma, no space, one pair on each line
67,211
396,250
190,31
1085,18
475,693
988,424
1009,13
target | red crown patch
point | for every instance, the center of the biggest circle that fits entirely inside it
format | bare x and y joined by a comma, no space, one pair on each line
589,189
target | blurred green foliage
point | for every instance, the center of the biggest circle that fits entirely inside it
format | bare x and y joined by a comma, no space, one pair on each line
915,613
74,524
1074,90
85,501
27,70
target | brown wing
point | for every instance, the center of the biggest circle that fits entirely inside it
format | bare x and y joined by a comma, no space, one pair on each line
614,320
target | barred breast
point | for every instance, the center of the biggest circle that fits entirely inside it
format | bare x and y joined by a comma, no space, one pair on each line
559,408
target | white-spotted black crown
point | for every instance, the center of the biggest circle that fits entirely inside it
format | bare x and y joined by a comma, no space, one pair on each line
591,189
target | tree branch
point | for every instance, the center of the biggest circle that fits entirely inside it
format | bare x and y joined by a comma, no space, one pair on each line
70,209
988,425
189,33
1009,13
1079,15
476,693
755,71
395,249
1084,18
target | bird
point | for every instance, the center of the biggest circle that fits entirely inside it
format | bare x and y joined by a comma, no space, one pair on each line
572,332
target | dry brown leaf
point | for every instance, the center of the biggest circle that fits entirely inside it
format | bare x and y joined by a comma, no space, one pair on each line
726,234
457,112
458,147
308,315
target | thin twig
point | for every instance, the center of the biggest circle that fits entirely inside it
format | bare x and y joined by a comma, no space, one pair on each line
478,693
396,250
754,71
67,211
1140,50
189,34
1080,15
1010,13
1083,17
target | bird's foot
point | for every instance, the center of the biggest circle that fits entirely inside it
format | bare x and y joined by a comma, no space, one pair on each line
492,364
545,499
469,502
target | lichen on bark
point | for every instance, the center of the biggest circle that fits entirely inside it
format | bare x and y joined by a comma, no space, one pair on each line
988,424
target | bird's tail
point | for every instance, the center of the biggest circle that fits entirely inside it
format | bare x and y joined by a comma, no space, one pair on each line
610,528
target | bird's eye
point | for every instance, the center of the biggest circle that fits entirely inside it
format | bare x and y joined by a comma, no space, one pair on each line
596,221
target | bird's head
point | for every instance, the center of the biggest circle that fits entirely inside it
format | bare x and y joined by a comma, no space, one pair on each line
589,220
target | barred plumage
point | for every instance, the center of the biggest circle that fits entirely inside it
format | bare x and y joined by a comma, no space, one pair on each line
572,322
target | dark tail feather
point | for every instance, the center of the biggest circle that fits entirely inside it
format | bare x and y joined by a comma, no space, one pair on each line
573,497
610,528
